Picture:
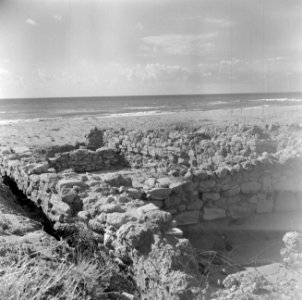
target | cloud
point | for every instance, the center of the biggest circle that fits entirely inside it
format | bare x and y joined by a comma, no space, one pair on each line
218,22
177,44
4,72
153,72
31,22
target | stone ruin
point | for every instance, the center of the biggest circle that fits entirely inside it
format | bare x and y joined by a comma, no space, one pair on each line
185,178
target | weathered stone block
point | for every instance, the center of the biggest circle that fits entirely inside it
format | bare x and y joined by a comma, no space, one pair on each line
212,213
231,189
163,182
194,205
250,187
118,219
210,196
176,187
187,218
241,210
172,201
159,193
205,186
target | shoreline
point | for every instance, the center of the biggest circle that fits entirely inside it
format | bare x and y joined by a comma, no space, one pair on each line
61,131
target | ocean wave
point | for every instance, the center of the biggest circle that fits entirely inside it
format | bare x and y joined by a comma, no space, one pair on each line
217,103
137,114
279,100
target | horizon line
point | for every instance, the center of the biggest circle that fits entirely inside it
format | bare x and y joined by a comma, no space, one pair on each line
155,95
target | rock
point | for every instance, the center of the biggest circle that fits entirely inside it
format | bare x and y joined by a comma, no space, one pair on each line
57,206
137,236
194,205
146,208
231,189
210,196
250,187
293,241
241,210
221,172
118,219
69,183
176,187
159,193
231,281
205,186
150,182
163,182
39,168
159,217
84,215
175,232
134,193
187,218
110,208
172,201
118,180
211,213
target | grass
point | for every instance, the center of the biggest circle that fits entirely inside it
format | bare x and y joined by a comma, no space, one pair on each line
61,272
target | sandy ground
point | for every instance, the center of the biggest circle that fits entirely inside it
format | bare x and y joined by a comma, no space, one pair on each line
70,131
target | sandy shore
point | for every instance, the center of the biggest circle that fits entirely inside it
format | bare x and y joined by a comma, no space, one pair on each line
70,131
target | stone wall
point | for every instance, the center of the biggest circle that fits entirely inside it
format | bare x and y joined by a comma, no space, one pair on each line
194,147
201,175
84,160
235,193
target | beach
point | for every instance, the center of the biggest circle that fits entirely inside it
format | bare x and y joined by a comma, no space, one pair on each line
60,131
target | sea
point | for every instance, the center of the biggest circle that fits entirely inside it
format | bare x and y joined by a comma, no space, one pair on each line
30,109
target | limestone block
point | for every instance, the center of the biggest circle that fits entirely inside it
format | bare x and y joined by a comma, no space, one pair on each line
241,210
205,186
286,201
267,183
118,180
175,232
231,189
159,217
138,236
163,182
118,219
159,193
210,196
212,213
176,187
194,205
250,187
69,183
146,208
172,201
134,193
57,206
187,218
110,208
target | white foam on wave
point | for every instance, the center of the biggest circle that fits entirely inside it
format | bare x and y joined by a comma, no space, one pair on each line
280,100
137,114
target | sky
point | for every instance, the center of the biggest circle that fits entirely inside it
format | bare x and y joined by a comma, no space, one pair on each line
65,48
